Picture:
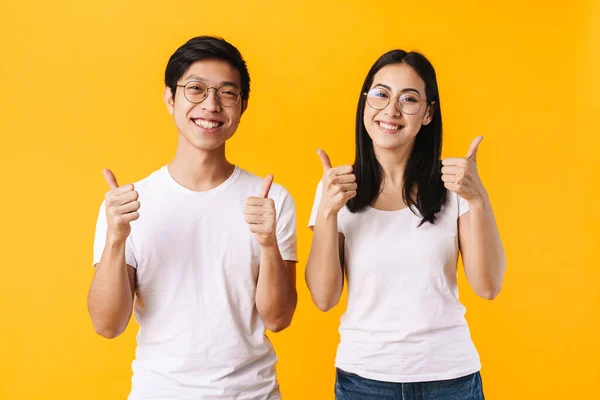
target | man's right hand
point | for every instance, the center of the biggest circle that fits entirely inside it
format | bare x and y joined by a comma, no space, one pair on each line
339,185
122,207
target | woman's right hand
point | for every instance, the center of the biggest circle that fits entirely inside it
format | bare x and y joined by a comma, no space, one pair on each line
339,185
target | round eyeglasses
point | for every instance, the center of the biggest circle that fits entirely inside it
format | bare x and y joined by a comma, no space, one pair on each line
196,92
408,103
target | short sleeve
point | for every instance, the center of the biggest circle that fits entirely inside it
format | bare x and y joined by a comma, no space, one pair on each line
286,227
315,207
100,240
463,205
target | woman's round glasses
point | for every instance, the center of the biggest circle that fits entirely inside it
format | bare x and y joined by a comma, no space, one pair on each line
408,103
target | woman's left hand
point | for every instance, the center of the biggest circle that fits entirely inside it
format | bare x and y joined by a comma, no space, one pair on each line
460,174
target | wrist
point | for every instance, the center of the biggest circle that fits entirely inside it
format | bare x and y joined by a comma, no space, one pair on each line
270,247
479,201
326,212
115,242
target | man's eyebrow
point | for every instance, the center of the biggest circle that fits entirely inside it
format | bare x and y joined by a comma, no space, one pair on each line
203,80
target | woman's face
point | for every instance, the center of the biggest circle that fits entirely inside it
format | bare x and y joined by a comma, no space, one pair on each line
389,127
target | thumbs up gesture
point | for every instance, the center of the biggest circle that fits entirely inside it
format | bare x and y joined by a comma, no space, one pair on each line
122,207
460,174
260,215
339,184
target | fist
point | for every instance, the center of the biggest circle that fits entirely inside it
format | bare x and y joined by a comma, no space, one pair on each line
460,174
122,207
261,216
339,184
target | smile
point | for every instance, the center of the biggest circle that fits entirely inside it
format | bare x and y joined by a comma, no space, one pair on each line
202,123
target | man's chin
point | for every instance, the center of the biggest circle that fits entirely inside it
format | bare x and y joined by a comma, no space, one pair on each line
204,146
203,143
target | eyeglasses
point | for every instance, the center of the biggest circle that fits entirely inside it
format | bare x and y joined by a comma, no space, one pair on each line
196,92
408,103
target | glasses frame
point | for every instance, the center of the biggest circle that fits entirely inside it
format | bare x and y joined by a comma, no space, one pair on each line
398,104
217,97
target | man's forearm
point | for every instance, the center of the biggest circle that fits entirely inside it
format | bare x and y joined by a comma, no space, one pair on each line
276,295
110,299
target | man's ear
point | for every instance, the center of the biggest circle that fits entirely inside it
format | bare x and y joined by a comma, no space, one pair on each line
244,106
169,100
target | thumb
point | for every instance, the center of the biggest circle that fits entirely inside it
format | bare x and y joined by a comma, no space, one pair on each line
266,186
110,178
472,153
324,160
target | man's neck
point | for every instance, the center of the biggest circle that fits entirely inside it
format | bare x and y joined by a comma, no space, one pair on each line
200,170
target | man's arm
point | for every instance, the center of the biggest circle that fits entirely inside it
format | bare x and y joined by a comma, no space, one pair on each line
276,295
110,299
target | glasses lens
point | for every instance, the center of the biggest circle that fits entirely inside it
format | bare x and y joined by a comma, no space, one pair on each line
378,98
409,103
195,92
228,96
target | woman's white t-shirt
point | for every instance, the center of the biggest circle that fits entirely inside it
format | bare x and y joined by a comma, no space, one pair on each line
403,322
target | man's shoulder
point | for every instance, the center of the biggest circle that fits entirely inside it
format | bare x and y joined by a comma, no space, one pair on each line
254,183
154,179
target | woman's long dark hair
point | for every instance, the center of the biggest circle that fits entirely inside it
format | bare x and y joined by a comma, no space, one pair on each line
423,186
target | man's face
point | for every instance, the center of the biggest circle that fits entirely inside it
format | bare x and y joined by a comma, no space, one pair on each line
208,124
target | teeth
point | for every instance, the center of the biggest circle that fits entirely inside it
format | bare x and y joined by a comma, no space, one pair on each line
207,124
387,126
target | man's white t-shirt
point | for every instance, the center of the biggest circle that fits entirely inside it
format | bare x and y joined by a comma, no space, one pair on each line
403,321
197,265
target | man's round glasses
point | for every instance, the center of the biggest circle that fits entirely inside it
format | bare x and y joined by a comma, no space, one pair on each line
408,103
196,92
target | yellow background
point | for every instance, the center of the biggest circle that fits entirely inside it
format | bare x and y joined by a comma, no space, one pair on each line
81,89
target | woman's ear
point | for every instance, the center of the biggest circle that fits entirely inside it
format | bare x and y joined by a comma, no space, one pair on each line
429,113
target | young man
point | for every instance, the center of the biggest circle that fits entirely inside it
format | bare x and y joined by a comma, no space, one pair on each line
208,249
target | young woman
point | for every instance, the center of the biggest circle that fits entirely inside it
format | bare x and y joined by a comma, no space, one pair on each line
394,223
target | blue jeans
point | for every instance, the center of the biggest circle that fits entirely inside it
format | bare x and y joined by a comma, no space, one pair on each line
353,387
